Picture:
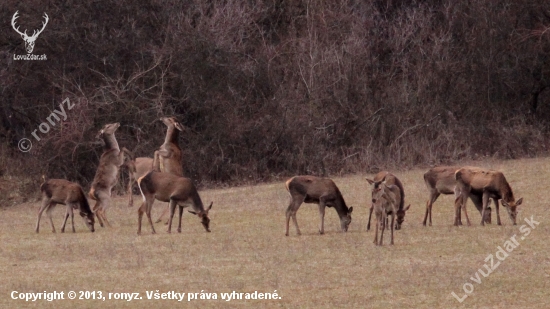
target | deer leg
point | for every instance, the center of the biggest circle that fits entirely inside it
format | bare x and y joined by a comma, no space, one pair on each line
370,214
376,229
291,212
49,213
141,210
498,214
458,202
150,200
130,193
172,206
322,217
429,204
97,210
485,201
180,215
392,226
45,204
384,217
67,214
72,217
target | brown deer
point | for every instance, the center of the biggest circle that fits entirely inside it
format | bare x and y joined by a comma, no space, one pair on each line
61,191
385,201
441,180
107,172
481,185
389,179
169,157
177,190
321,191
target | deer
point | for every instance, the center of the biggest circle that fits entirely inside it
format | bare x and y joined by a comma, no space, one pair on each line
61,191
107,171
385,201
481,185
441,180
29,40
389,179
174,189
321,191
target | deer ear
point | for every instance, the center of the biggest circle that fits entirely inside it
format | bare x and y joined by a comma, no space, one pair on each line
209,207
407,208
519,201
370,181
350,209
190,211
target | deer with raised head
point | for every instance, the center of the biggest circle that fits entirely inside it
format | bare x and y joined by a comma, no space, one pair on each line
480,185
389,179
29,40
176,190
107,172
321,191
385,201
61,191
441,180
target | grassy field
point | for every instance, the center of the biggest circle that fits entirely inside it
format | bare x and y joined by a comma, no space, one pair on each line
247,251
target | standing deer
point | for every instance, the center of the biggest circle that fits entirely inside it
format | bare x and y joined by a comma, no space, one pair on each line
107,172
389,179
61,191
177,190
385,201
441,180
481,185
321,191
169,156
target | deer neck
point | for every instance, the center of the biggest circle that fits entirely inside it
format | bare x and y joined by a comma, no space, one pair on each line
110,142
341,207
171,135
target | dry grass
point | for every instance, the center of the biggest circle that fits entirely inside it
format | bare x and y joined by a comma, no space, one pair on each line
247,251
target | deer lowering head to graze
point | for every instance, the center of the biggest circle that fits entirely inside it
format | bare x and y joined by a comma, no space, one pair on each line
480,185
321,191
385,201
176,190
61,191
137,168
107,172
389,179
441,180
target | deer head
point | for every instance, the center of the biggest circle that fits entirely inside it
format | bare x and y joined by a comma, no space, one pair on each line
29,40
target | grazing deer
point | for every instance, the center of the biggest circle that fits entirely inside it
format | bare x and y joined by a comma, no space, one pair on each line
322,191
61,191
441,180
385,201
481,185
169,156
389,179
177,190
107,172
136,169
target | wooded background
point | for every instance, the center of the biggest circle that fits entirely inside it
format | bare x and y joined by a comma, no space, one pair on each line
273,88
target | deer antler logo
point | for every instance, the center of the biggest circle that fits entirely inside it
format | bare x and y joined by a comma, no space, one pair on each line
29,40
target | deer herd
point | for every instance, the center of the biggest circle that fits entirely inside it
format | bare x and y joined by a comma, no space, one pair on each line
161,178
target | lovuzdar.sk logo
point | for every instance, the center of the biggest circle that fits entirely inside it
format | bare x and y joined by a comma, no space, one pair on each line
29,40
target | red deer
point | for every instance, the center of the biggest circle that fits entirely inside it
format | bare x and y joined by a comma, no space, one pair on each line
169,156
178,191
441,180
389,179
61,191
481,185
385,201
107,172
321,191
